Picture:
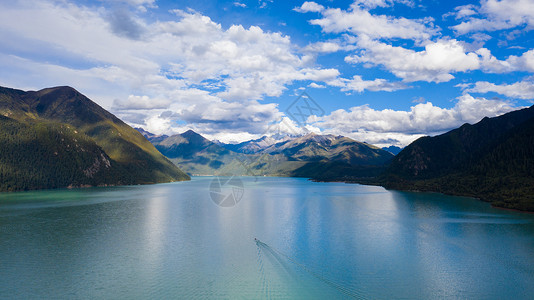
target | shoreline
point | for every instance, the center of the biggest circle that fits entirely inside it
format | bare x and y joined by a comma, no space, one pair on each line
513,210
421,191
88,186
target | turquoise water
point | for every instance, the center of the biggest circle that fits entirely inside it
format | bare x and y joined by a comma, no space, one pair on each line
318,241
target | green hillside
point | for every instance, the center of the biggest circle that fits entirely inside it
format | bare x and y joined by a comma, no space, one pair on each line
37,125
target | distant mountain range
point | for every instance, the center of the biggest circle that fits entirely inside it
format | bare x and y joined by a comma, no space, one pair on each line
256,146
492,160
57,137
311,155
393,149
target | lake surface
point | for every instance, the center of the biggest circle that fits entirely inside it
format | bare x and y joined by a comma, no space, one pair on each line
318,241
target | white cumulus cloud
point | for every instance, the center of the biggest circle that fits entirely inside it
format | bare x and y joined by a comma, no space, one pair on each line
434,64
494,15
518,90
323,47
358,20
162,73
240,4
358,84
309,6
397,127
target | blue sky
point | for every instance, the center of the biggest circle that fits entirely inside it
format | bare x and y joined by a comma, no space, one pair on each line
383,71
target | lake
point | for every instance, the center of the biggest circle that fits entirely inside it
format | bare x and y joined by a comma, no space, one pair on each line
196,240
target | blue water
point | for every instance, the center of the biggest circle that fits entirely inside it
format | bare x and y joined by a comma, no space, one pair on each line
318,241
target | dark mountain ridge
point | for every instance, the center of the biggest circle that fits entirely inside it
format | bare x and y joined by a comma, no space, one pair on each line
492,160
429,157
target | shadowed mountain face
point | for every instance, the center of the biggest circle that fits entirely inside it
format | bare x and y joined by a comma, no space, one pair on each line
187,144
329,157
492,160
304,156
314,147
68,140
195,154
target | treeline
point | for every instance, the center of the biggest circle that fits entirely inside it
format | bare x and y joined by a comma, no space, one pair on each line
38,155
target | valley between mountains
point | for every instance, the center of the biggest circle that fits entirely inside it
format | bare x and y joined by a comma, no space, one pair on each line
57,137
